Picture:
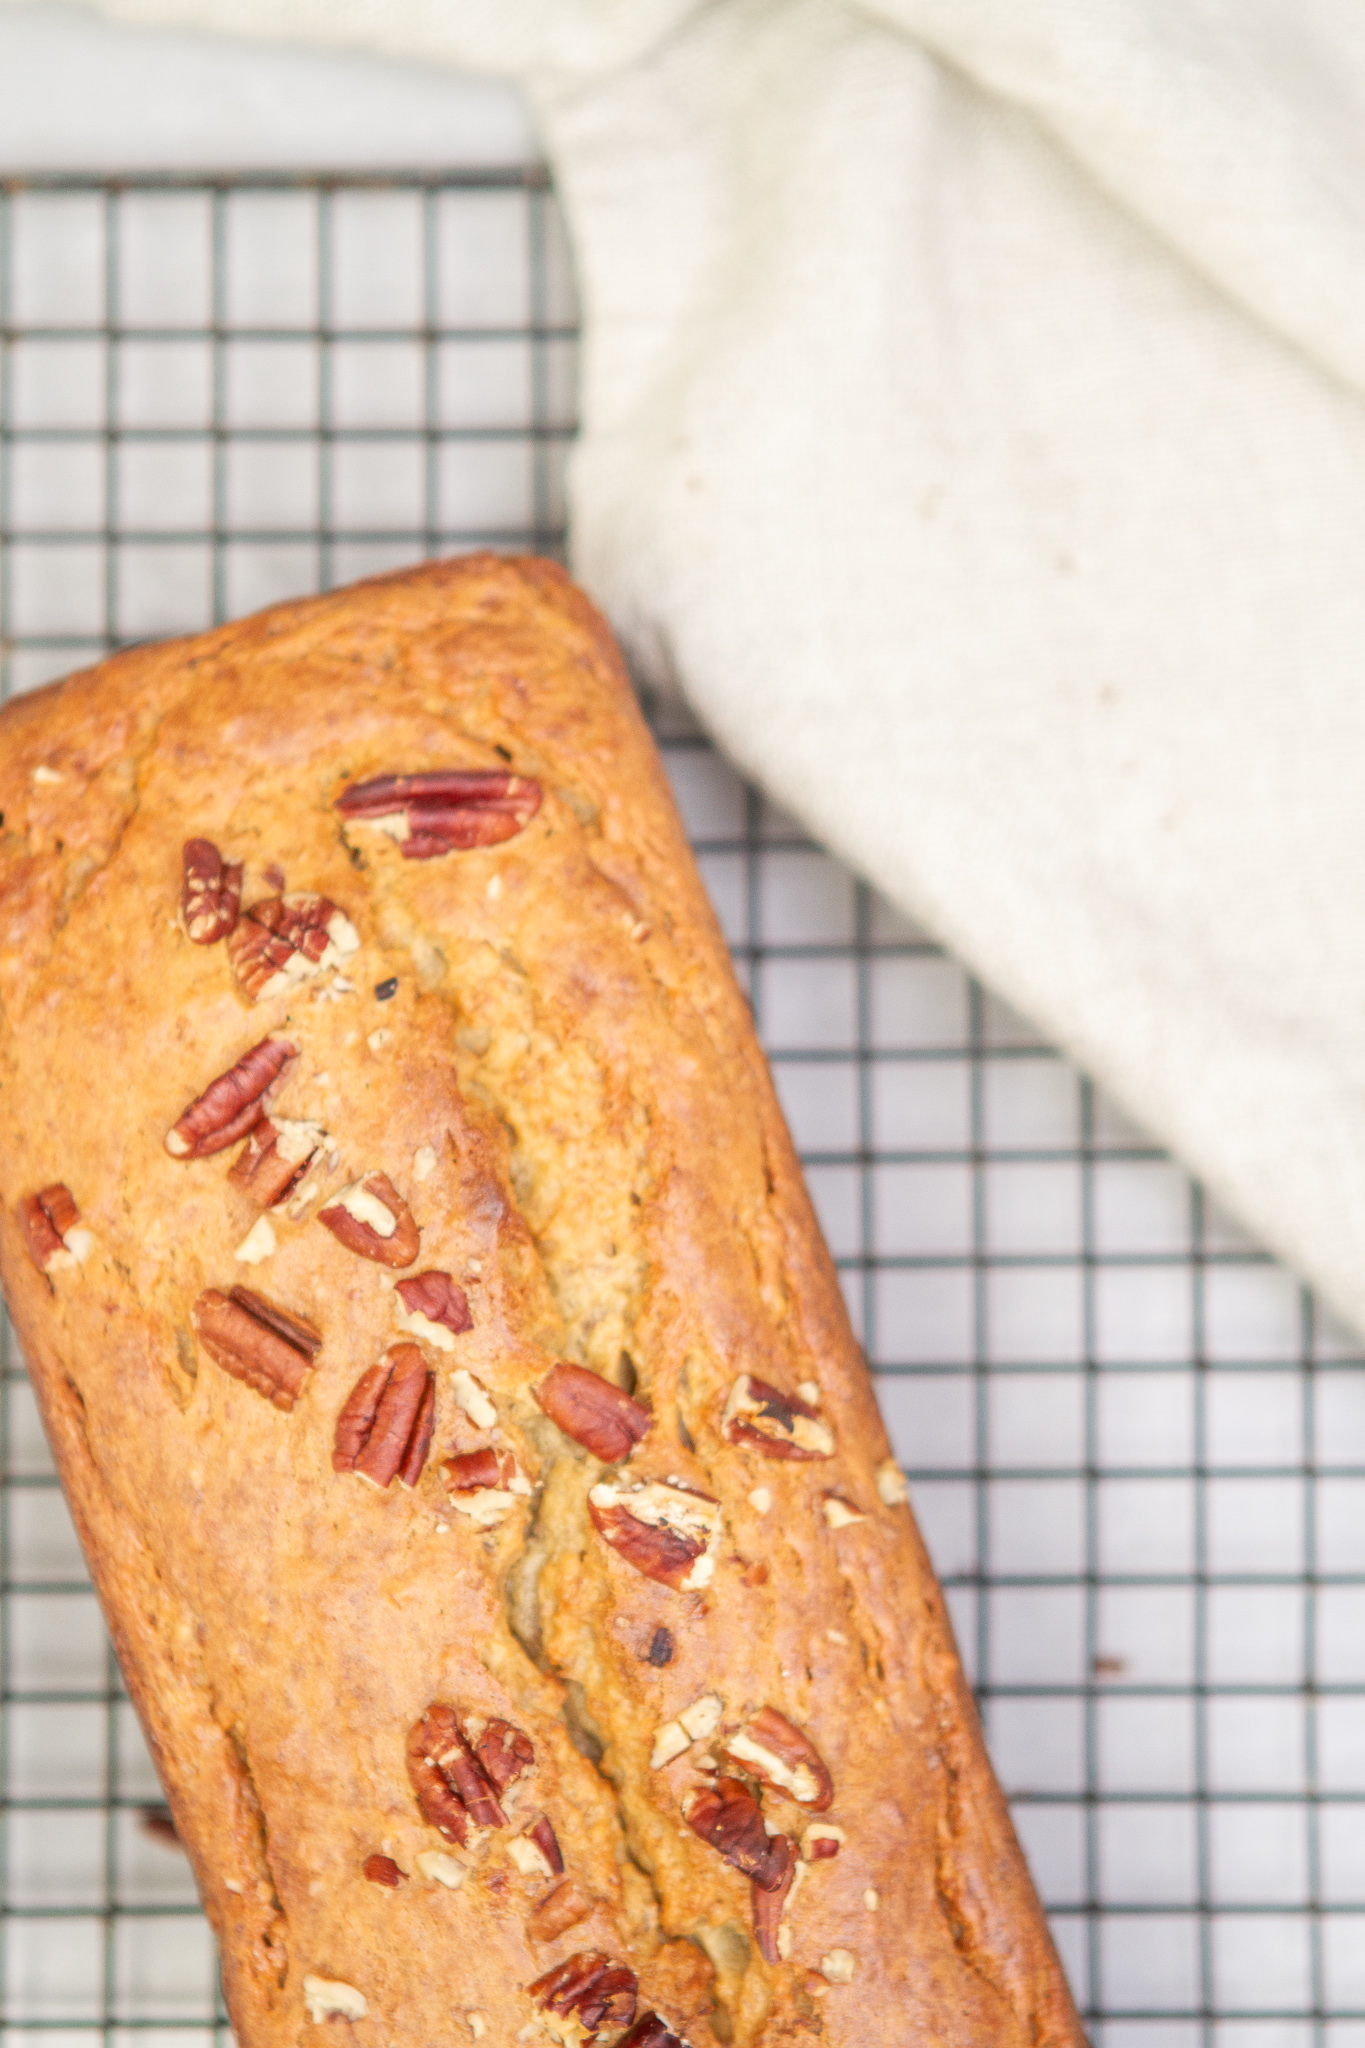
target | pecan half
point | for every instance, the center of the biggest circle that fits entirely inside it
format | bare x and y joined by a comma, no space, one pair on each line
434,1299
283,940
767,1908
593,1412
780,1425
230,1106
383,1870
438,812
371,1219
53,1233
210,893
558,1910
778,1754
666,1530
384,1430
591,1988
258,1342
452,1787
727,1816
547,1841
650,2031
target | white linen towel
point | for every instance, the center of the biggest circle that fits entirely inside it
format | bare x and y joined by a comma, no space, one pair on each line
973,431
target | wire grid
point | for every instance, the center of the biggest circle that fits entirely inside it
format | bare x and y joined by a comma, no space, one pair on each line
1135,1445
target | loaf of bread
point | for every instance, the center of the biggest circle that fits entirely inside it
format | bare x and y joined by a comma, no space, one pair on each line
451,1389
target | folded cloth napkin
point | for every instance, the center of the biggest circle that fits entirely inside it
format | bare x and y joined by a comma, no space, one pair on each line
973,432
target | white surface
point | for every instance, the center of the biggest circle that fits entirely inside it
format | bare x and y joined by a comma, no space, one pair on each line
1130,1439
972,427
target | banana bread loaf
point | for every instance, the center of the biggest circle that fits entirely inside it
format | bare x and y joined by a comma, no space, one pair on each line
449,1383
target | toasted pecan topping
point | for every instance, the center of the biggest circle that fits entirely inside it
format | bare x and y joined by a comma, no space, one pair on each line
257,1341
767,1904
384,1430
371,1219
547,1841
666,1530
453,1775
650,2031
778,1754
558,1911
437,1299
230,1106
383,1870
210,893
591,1988
445,810
777,1424
727,1816
277,1154
53,1233
593,1412
284,940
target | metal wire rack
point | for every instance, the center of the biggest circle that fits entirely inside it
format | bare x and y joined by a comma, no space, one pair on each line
1135,1445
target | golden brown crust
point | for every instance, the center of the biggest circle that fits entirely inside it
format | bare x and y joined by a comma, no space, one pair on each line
565,1091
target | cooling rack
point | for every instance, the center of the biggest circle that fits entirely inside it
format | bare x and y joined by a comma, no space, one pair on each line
1135,1445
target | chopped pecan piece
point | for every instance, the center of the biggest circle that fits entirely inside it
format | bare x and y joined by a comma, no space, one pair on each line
778,1754
210,894
547,1841
503,1752
277,1154
559,1910
666,1530
283,940
593,1412
650,2031
451,1785
258,1342
384,1430
434,1299
821,1841
230,1106
590,1988
839,1513
439,812
767,1908
727,1816
777,1424
371,1218
53,1232
383,1870
484,1485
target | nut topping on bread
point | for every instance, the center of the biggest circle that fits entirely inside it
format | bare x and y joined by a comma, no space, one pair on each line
767,1905
230,1106
780,1425
275,1157
727,1816
371,1218
667,1531
547,1841
437,1308
590,1988
284,940
558,1911
258,1342
52,1229
593,1412
210,894
457,1773
650,2031
450,809
383,1870
779,1755
384,1430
